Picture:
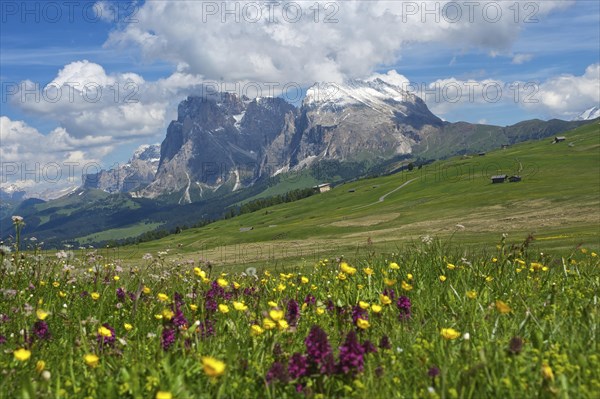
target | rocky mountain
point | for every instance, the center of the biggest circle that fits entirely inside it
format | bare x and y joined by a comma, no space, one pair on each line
225,143
136,174
588,114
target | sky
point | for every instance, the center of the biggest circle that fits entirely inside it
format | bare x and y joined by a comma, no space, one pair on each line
85,83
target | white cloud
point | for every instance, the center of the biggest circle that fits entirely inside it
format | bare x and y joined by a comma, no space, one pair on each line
566,96
50,161
252,41
522,58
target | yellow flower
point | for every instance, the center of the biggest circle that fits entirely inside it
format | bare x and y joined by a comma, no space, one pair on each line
362,323
116,278
164,395
502,307
91,360
213,367
256,330
41,314
282,324
341,276
594,254
223,308
583,250
521,262
346,268
236,285
168,314
276,314
105,332
389,282
40,366
536,266
449,333
128,327
56,284
363,305
281,287
406,286
320,311
199,272
162,297
376,308
304,280
368,271
547,373
409,277
193,307
471,294
272,304
385,299
442,278
241,306
494,259
158,316
268,324
95,296
146,290
394,266
222,282
450,266
489,279
61,294
22,354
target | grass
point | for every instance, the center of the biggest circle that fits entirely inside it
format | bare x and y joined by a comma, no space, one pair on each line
119,233
433,319
557,201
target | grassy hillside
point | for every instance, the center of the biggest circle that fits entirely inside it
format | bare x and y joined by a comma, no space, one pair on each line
558,201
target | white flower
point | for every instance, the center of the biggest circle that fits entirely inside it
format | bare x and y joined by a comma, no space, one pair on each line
466,336
17,219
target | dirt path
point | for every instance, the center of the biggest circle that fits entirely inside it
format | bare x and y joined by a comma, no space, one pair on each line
382,198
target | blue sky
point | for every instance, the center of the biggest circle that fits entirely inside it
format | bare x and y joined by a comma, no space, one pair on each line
169,48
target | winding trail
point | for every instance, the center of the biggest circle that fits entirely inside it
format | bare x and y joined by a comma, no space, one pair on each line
382,198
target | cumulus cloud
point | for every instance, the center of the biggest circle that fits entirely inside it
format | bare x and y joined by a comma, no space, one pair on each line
50,161
522,58
87,101
304,42
566,96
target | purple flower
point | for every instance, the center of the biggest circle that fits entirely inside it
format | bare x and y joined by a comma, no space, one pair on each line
120,294
179,319
298,366
168,338
103,340
277,372
277,351
433,372
351,355
389,293
83,294
2,339
310,299
293,313
40,329
317,345
330,306
178,299
359,313
384,343
369,347
404,306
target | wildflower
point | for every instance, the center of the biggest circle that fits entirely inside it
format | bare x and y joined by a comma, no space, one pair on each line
442,278
394,266
116,278
433,371
406,286
199,272
223,308
351,355
489,279
320,311
106,334
162,297
40,365
236,285
272,304
409,276
281,287
494,259
515,346
276,314
40,329
213,367
317,345
239,306
347,269
368,271
221,282
167,314
502,307
363,305
41,314
193,307
404,306
385,300
277,372
384,342
22,354
167,338
268,324
376,308
547,373
282,324
304,280
362,323
163,395
449,333
298,366
341,276
256,330
91,360
128,327
450,266
146,290
293,312
471,294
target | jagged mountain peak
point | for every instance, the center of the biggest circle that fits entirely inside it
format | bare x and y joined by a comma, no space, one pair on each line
588,114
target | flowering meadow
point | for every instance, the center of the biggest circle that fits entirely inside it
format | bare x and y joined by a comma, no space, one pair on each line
432,320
